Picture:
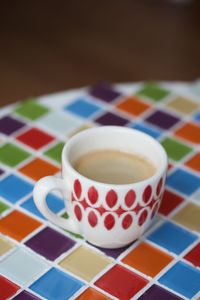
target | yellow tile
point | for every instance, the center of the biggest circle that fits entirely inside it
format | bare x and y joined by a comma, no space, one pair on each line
183,105
82,128
189,216
5,246
85,263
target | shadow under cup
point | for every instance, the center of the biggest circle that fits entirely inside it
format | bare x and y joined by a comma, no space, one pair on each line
113,215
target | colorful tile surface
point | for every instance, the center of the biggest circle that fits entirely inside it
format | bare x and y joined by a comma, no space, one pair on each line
50,243
172,237
138,258
187,279
13,188
9,125
31,109
21,266
62,285
156,292
38,168
11,155
85,263
7,288
121,282
35,138
18,225
36,257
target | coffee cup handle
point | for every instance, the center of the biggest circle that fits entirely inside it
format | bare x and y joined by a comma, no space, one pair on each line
40,192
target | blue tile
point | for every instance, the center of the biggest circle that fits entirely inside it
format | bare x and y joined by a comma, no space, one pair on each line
183,279
13,188
197,117
56,284
184,181
83,108
54,203
155,133
172,237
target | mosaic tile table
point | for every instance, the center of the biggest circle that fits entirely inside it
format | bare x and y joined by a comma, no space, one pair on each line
41,261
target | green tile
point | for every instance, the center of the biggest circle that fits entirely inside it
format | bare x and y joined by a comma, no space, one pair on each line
77,235
12,155
153,91
175,150
55,152
3,207
31,110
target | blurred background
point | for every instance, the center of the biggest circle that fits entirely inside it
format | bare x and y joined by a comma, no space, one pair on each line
49,46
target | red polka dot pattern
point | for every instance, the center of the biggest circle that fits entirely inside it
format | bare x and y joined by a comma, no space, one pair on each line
111,198
93,195
77,188
92,218
130,198
142,218
127,221
147,194
109,221
78,212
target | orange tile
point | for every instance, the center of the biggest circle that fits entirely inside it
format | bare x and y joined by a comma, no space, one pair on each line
147,259
91,294
194,162
133,106
18,225
190,132
39,168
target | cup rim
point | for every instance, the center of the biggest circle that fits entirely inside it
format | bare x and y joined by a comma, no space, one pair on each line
66,163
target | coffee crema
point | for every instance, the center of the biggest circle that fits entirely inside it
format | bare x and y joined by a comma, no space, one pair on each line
114,167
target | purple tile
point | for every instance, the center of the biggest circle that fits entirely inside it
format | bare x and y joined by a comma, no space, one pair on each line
50,243
112,252
104,92
156,293
162,119
111,119
1,171
8,125
24,295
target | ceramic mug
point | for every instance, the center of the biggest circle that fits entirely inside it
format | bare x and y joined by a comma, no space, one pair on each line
107,215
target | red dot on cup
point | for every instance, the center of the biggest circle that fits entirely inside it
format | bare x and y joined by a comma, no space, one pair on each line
78,212
77,188
147,194
92,195
142,217
109,221
92,218
127,221
159,186
111,198
130,198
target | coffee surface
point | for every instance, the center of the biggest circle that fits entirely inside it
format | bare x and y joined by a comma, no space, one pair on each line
114,167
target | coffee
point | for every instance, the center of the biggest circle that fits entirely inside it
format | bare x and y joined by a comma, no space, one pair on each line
114,167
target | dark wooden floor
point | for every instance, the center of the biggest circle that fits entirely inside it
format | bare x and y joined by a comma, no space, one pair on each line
47,46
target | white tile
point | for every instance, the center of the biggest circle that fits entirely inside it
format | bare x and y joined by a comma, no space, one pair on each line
22,266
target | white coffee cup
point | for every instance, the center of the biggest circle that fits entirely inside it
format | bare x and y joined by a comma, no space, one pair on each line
105,223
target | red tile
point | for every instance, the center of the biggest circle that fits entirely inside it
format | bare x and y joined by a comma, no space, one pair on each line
169,202
121,282
7,288
35,138
194,255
